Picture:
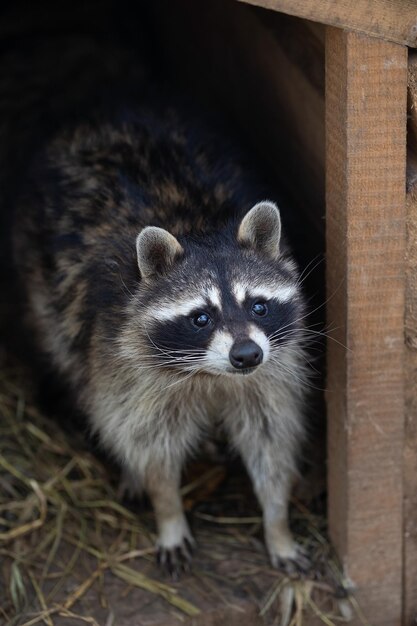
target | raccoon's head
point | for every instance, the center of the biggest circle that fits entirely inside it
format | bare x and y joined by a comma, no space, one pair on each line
225,303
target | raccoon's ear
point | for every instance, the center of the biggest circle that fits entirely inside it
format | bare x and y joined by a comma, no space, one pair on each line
157,251
260,229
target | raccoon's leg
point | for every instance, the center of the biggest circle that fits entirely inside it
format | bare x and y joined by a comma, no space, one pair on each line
270,462
273,493
175,542
272,482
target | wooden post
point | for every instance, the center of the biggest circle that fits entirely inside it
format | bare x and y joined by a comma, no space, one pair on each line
392,20
366,84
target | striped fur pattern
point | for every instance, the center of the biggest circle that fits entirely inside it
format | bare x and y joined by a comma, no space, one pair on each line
145,265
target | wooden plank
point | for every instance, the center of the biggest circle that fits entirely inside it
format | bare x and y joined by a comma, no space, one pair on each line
366,83
393,20
410,448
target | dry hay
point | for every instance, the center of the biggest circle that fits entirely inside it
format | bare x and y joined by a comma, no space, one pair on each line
71,552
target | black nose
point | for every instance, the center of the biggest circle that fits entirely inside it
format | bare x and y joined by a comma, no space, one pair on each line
245,354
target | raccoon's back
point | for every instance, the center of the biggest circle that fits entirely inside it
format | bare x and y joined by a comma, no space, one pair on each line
91,191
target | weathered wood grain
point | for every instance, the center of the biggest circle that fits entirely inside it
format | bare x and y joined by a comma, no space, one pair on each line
393,20
366,82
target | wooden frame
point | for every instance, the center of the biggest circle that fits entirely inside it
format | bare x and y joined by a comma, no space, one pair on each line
366,88
392,20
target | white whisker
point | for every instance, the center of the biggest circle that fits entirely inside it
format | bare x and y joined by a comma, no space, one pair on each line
303,276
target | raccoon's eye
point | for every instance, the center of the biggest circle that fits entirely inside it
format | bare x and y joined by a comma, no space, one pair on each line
201,319
260,309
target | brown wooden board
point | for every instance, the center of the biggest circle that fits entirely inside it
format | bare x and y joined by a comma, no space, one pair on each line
393,20
410,448
366,82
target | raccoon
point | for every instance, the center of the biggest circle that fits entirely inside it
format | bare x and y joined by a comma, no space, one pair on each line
167,298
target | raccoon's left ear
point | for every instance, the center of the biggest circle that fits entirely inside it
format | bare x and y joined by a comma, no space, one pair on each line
157,251
260,229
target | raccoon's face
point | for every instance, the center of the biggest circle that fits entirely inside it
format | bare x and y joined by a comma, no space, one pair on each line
221,305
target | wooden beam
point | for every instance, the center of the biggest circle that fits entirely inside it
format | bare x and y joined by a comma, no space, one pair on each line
366,85
393,20
410,448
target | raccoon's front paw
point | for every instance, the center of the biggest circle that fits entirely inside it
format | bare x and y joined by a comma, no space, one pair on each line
175,547
285,554
291,559
176,560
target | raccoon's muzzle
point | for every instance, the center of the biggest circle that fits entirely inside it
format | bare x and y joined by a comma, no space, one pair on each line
245,355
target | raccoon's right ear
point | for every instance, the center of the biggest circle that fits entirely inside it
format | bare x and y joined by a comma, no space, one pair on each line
157,251
260,229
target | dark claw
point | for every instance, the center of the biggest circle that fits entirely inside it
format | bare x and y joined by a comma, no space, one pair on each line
301,564
176,560
341,592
